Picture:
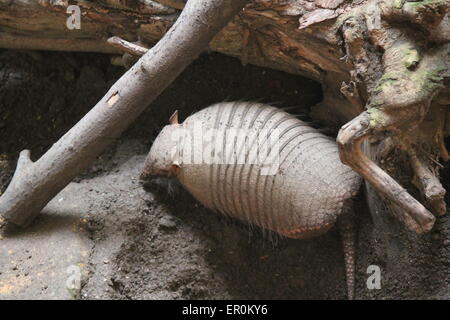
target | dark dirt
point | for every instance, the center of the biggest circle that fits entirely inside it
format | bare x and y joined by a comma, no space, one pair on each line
154,241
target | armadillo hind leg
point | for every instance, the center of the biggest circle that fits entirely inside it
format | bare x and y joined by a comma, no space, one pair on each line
347,231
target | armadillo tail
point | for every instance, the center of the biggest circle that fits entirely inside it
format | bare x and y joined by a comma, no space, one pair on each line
347,231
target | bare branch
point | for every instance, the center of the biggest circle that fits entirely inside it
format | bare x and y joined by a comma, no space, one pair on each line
128,47
34,185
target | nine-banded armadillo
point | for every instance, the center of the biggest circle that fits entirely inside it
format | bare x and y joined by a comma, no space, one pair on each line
261,165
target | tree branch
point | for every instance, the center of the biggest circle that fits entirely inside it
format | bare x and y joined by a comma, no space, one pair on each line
350,138
35,184
127,47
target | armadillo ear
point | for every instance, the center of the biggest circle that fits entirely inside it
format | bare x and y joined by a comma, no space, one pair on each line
176,163
174,118
175,169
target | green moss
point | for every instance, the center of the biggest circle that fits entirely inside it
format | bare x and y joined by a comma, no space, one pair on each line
374,103
429,80
74,293
416,4
398,4
377,118
411,58
388,79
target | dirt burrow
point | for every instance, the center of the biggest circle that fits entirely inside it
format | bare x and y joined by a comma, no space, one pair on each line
154,241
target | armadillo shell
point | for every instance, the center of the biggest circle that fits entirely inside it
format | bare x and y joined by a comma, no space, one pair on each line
302,198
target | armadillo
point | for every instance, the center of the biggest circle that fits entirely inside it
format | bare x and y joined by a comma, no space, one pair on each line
301,192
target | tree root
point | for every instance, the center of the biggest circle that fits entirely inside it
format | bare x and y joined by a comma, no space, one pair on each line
350,138
427,14
428,183
399,100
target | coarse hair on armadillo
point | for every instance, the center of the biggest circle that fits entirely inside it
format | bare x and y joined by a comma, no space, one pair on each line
302,199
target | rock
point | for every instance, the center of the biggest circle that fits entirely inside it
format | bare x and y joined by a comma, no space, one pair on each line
167,222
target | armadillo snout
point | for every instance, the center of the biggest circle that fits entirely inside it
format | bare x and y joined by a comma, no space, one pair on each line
159,161
155,170
150,174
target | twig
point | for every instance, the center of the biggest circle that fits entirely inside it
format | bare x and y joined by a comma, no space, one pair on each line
126,46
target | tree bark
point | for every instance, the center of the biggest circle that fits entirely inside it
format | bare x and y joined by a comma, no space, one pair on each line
387,59
299,37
